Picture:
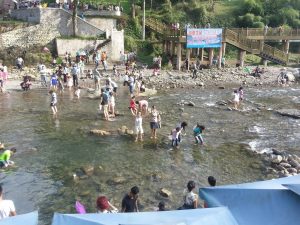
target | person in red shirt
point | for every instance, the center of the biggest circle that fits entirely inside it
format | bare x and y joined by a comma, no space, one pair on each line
132,106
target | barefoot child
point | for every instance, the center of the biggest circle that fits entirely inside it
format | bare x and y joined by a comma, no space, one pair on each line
139,127
198,129
175,136
236,99
53,101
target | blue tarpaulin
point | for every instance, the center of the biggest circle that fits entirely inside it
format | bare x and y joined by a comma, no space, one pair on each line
24,219
272,202
213,216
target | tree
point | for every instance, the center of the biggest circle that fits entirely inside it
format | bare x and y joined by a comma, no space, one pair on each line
74,17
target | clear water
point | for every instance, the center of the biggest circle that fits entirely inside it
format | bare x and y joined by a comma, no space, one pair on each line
43,178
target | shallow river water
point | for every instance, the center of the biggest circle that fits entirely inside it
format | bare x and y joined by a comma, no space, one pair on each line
51,150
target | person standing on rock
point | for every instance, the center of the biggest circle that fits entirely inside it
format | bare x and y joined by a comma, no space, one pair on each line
7,207
130,201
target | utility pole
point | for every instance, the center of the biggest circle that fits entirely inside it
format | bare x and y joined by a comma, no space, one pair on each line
144,20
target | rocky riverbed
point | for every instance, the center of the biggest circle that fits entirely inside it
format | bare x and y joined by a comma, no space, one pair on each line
179,79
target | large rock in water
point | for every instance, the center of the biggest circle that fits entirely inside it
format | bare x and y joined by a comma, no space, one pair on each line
290,77
100,132
294,113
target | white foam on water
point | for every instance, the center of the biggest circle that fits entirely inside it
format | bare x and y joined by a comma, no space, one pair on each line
210,103
253,145
257,129
266,150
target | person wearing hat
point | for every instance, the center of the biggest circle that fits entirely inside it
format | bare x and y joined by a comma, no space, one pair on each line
104,206
5,157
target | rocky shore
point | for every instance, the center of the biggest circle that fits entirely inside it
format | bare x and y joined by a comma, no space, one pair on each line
179,79
215,77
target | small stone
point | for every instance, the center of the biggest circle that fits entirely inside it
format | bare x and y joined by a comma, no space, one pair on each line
165,193
123,129
130,132
201,84
117,180
100,132
88,170
285,165
276,152
292,170
294,163
221,87
190,103
276,159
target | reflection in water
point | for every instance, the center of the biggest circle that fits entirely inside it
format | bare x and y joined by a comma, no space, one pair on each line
62,146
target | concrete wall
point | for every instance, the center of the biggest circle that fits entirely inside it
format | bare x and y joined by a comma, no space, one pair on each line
112,48
59,17
117,44
106,24
101,13
73,45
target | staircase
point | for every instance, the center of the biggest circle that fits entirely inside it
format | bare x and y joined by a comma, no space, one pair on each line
99,46
156,26
255,47
237,39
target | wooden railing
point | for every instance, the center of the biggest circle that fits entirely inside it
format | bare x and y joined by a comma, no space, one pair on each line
276,53
269,32
247,44
254,46
237,37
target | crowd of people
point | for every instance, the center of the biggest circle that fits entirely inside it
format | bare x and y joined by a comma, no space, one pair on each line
130,202
68,74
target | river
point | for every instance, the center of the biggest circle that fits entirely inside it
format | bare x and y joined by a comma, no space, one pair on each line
51,150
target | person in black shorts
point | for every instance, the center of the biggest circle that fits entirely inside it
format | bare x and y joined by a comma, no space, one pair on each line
129,202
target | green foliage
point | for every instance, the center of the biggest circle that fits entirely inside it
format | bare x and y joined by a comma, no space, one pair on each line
130,43
253,6
271,12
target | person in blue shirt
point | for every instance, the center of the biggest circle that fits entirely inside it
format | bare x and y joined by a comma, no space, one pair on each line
198,129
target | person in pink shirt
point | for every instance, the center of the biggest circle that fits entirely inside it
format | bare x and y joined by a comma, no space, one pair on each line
143,106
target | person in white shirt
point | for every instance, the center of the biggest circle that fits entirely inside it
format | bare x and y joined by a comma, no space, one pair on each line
236,99
7,207
139,126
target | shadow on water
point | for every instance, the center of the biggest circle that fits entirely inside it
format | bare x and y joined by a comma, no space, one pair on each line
53,150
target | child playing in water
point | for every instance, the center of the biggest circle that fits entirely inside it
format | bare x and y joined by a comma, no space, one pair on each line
198,129
53,101
77,92
175,136
241,93
236,99
132,106
112,103
139,127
